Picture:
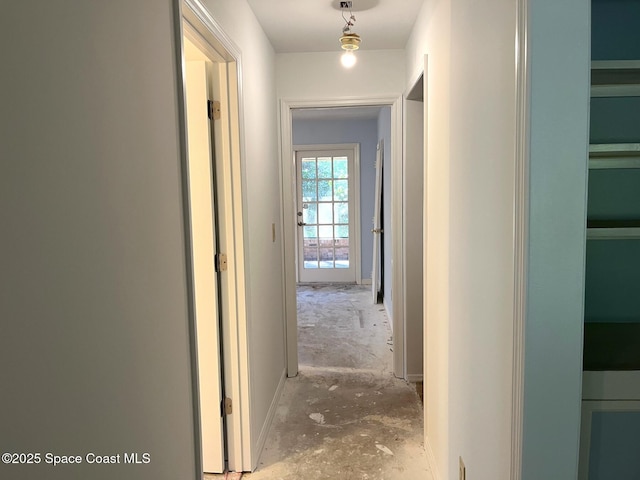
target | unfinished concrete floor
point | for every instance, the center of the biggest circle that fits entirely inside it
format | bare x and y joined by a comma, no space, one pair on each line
345,416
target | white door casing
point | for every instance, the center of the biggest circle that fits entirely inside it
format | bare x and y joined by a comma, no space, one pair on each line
288,173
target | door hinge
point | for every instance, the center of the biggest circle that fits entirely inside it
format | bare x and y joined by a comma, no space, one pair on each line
221,262
213,109
227,406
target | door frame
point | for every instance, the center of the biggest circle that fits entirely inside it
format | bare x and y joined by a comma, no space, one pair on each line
288,175
355,147
195,21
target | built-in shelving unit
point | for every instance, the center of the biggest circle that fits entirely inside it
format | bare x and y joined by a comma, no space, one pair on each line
615,78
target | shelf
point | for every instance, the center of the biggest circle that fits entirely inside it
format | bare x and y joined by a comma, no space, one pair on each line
613,229
616,233
614,155
615,78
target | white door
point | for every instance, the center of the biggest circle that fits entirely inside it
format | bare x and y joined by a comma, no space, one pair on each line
203,246
376,284
326,216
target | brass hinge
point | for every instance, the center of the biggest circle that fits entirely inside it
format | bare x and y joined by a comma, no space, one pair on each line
227,406
221,262
213,109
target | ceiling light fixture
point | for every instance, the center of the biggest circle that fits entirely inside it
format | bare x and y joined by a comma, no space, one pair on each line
349,41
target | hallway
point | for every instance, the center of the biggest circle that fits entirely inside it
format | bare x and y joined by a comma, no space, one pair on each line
344,415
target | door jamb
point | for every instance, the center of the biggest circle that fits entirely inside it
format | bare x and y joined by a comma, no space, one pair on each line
287,174
233,224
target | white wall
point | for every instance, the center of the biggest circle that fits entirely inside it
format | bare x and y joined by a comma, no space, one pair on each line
470,103
469,210
262,203
431,34
95,337
316,76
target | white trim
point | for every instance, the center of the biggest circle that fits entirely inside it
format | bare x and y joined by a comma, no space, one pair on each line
415,377
262,438
233,222
366,281
355,147
288,214
521,234
431,459
397,240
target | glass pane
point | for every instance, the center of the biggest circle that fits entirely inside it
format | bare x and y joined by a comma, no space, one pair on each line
325,213
310,213
326,242
326,231
341,190
342,247
308,168
310,233
324,167
326,258
342,212
342,231
324,190
309,191
310,247
340,167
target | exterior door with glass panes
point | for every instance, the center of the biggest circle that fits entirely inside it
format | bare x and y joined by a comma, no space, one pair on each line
325,216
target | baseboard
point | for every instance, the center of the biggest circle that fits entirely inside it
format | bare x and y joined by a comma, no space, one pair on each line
365,281
431,459
262,439
389,316
415,377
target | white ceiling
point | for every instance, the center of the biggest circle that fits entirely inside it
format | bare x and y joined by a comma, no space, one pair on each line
316,25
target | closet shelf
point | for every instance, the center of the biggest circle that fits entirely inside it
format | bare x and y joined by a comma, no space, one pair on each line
613,229
615,78
614,155
613,233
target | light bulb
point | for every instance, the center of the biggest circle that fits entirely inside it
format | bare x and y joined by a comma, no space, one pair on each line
348,59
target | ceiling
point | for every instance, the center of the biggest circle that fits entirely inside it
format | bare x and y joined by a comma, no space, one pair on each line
316,25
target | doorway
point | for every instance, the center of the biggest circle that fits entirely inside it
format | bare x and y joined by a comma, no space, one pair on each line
216,242
204,250
289,111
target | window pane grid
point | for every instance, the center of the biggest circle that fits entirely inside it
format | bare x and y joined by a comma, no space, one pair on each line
325,212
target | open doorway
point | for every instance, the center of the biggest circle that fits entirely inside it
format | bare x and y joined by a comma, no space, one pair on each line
344,393
335,155
213,185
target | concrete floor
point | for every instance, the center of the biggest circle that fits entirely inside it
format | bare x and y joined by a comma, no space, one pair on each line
345,416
